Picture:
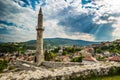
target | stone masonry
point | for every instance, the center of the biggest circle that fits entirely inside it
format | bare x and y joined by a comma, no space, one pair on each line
39,57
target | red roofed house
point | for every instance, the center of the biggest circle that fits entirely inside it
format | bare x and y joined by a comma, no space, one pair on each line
89,60
115,58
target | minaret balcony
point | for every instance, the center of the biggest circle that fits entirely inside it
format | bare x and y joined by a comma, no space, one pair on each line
40,29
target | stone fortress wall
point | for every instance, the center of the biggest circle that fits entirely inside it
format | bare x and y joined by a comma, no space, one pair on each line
85,74
60,64
71,70
49,64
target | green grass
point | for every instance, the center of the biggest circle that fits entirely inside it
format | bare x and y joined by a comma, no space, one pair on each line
116,77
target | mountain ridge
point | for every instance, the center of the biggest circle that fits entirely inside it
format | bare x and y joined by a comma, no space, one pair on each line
56,42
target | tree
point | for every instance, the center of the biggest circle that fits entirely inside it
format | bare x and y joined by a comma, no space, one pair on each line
11,47
64,53
49,56
98,50
46,55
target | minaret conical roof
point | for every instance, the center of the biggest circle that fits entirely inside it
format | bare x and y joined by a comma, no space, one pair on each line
40,11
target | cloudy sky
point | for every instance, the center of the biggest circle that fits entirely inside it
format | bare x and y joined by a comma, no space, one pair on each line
92,20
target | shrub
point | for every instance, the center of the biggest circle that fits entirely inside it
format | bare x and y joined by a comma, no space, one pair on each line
77,59
3,65
113,70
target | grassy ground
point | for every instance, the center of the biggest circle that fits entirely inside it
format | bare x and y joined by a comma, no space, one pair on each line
116,77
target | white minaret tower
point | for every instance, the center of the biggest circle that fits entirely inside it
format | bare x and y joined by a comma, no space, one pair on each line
39,57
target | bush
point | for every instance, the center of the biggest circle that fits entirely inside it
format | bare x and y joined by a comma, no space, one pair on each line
3,65
113,70
77,59
12,67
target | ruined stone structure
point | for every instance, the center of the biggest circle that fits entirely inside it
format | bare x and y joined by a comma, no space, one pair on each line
39,57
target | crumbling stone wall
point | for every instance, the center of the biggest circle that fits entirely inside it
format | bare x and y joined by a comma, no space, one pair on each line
60,64
86,74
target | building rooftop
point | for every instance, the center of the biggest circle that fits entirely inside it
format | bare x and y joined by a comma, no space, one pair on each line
89,58
115,58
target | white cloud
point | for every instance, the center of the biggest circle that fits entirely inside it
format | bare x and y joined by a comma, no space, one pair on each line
16,34
26,18
81,36
58,31
52,29
112,8
115,9
116,26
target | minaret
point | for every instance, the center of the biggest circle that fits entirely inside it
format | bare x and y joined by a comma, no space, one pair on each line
39,49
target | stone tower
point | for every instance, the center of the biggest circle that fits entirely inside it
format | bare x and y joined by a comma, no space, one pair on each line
39,57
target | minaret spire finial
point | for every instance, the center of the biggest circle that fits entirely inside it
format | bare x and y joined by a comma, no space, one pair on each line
40,12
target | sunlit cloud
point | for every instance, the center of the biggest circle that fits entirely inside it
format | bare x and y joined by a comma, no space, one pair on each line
93,20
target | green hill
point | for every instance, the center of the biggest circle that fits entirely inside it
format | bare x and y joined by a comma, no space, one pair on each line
55,42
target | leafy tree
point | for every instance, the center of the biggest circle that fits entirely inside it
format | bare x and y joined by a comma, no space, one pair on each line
64,53
55,50
49,56
46,55
114,47
11,47
52,55
98,50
